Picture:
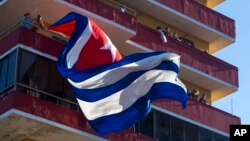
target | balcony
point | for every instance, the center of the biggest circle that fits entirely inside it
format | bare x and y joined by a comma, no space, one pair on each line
200,113
192,18
216,75
202,14
50,111
190,56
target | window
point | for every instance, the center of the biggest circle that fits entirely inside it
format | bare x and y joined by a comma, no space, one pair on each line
11,68
205,135
26,68
218,137
7,70
191,132
177,129
40,73
55,83
146,126
3,75
34,71
67,91
162,126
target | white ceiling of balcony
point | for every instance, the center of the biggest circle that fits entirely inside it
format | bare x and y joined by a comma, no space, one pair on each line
16,127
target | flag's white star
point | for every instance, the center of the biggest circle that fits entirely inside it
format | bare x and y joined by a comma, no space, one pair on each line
109,46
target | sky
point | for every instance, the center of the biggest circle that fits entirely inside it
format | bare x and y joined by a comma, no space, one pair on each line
237,54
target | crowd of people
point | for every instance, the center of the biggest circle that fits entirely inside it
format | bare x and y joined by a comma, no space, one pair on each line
167,33
194,94
32,24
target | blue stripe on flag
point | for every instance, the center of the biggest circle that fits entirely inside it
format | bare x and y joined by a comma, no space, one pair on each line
92,95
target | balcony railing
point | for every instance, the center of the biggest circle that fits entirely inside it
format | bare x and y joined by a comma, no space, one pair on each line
201,113
189,55
30,39
118,5
51,111
202,14
106,11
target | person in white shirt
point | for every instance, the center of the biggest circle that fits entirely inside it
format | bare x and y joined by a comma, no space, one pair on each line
163,37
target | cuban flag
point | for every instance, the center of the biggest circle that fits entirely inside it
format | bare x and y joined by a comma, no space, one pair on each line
114,92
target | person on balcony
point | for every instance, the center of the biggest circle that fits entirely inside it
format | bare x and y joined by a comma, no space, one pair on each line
38,23
26,21
203,99
193,94
122,8
175,36
168,32
163,37
206,51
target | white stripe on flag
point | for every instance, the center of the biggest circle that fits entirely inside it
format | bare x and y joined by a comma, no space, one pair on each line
123,99
114,75
75,51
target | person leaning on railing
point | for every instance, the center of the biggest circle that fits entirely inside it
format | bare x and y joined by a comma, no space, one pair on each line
163,37
38,23
26,21
193,94
175,36
203,98
168,32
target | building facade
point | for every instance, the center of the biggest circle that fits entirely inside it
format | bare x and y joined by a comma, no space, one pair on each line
36,103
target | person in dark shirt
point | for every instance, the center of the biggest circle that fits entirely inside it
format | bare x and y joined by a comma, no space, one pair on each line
203,99
168,32
194,94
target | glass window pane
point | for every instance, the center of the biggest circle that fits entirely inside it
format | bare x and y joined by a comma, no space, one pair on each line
11,68
55,81
0,71
218,137
205,135
41,73
191,132
26,68
3,75
146,126
162,127
67,91
177,129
